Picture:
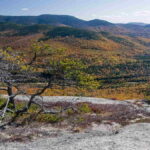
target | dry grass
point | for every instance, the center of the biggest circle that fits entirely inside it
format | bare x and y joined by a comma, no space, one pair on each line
120,93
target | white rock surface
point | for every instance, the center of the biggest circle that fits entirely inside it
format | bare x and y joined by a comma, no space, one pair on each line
71,99
102,137
132,137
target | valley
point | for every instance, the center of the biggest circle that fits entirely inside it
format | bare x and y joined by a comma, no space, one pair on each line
119,61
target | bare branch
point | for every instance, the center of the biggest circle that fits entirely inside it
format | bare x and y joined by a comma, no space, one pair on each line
32,60
3,89
6,107
52,111
31,101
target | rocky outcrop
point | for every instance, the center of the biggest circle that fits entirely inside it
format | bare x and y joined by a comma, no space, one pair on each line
108,135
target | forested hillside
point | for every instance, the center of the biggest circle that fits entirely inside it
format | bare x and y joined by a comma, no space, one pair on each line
119,60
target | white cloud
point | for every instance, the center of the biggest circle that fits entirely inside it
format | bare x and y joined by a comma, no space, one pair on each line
144,13
25,9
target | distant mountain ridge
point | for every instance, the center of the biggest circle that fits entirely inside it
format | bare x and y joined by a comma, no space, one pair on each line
130,29
55,20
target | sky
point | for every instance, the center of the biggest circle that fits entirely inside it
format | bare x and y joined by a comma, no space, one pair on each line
116,11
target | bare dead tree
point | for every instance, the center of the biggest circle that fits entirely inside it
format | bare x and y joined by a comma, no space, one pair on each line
13,76
17,71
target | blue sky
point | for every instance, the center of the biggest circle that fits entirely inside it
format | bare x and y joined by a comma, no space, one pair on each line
111,10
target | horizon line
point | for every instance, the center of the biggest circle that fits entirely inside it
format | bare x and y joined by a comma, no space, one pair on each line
73,16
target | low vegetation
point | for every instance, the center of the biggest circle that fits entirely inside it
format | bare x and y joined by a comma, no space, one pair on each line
78,116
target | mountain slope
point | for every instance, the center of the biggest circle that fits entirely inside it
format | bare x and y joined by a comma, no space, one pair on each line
58,20
120,63
130,29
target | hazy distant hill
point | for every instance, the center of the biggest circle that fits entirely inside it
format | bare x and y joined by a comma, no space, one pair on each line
58,20
137,23
97,22
130,29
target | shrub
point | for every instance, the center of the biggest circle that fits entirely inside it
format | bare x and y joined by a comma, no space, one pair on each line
49,118
84,108
2,100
